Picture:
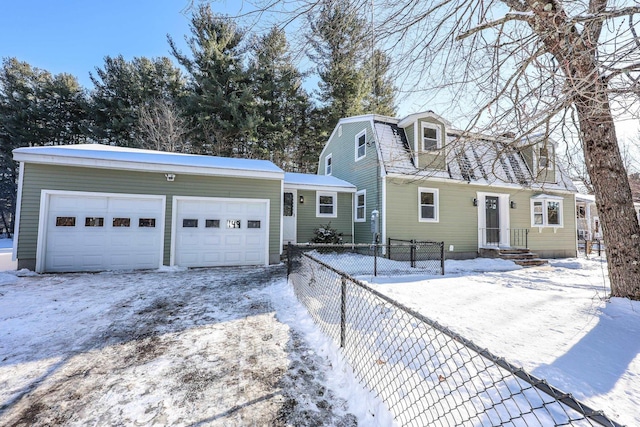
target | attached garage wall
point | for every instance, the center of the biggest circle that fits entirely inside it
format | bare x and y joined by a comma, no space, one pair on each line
38,177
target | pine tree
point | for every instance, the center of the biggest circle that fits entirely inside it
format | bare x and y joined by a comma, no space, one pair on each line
122,87
380,97
221,103
282,103
338,47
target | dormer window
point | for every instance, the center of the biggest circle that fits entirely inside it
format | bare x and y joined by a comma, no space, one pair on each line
543,158
430,137
361,145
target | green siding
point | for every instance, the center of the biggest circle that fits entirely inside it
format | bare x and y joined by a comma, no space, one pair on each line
458,218
38,177
363,173
307,221
432,159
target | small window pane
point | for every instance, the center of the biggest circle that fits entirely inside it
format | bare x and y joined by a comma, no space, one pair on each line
93,222
426,198
233,223
189,223
326,209
360,213
253,224
553,213
287,204
429,138
212,223
65,221
361,146
428,212
326,200
147,222
122,222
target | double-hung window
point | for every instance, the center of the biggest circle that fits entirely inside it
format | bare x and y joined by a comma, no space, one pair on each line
361,206
361,145
430,137
328,164
546,211
428,205
326,204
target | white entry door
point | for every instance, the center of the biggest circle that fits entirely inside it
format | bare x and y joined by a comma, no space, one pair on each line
289,211
211,232
96,231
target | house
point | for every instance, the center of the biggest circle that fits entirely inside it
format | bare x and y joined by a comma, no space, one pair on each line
587,219
94,207
428,181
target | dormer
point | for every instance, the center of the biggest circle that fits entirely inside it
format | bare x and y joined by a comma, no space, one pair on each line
540,156
427,136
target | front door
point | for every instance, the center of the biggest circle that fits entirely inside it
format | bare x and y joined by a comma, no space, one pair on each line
289,216
492,216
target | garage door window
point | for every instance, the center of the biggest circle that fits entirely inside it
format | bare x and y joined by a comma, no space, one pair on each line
122,222
190,223
233,223
147,222
65,221
212,223
93,221
253,224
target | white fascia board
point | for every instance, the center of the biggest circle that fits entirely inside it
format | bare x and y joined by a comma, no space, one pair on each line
476,184
411,118
311,187
144,166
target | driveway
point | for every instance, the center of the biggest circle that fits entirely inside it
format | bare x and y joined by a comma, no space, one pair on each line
177,347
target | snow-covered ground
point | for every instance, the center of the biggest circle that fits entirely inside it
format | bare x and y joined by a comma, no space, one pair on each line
556,321
234,347
227,346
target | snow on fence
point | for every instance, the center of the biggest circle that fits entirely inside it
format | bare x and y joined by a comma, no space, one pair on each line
424,372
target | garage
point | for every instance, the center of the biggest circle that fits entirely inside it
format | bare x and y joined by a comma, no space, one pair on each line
83,231
210,232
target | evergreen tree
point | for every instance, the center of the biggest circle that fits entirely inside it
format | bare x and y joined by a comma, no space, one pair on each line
221,103
380,97
122,88
338,47
282,103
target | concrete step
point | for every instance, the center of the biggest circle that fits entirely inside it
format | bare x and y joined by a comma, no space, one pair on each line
534,262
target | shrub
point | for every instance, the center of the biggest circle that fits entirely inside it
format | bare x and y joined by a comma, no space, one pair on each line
326,234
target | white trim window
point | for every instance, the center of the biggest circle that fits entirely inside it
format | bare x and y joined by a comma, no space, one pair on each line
428,204
328,164
326,204
361,145
431,137
361,206
546,211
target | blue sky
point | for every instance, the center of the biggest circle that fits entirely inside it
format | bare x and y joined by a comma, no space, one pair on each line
74,36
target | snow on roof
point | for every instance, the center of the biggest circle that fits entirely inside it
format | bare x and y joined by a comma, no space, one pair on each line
106,156
311,181
476,160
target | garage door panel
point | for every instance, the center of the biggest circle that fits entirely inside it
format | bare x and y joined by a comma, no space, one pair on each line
99,243
222,242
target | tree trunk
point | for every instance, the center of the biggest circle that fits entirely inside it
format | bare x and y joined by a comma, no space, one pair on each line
620,227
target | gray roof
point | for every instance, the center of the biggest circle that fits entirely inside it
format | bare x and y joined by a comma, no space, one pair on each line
477,160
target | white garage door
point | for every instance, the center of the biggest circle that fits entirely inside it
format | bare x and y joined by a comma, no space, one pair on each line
219,231
93,232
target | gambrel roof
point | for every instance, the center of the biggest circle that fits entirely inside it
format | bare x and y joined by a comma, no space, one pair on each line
474,159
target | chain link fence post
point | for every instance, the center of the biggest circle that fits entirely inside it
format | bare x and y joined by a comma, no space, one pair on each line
343,312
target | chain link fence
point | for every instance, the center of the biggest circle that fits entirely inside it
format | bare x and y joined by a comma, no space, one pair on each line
424,372
398,257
